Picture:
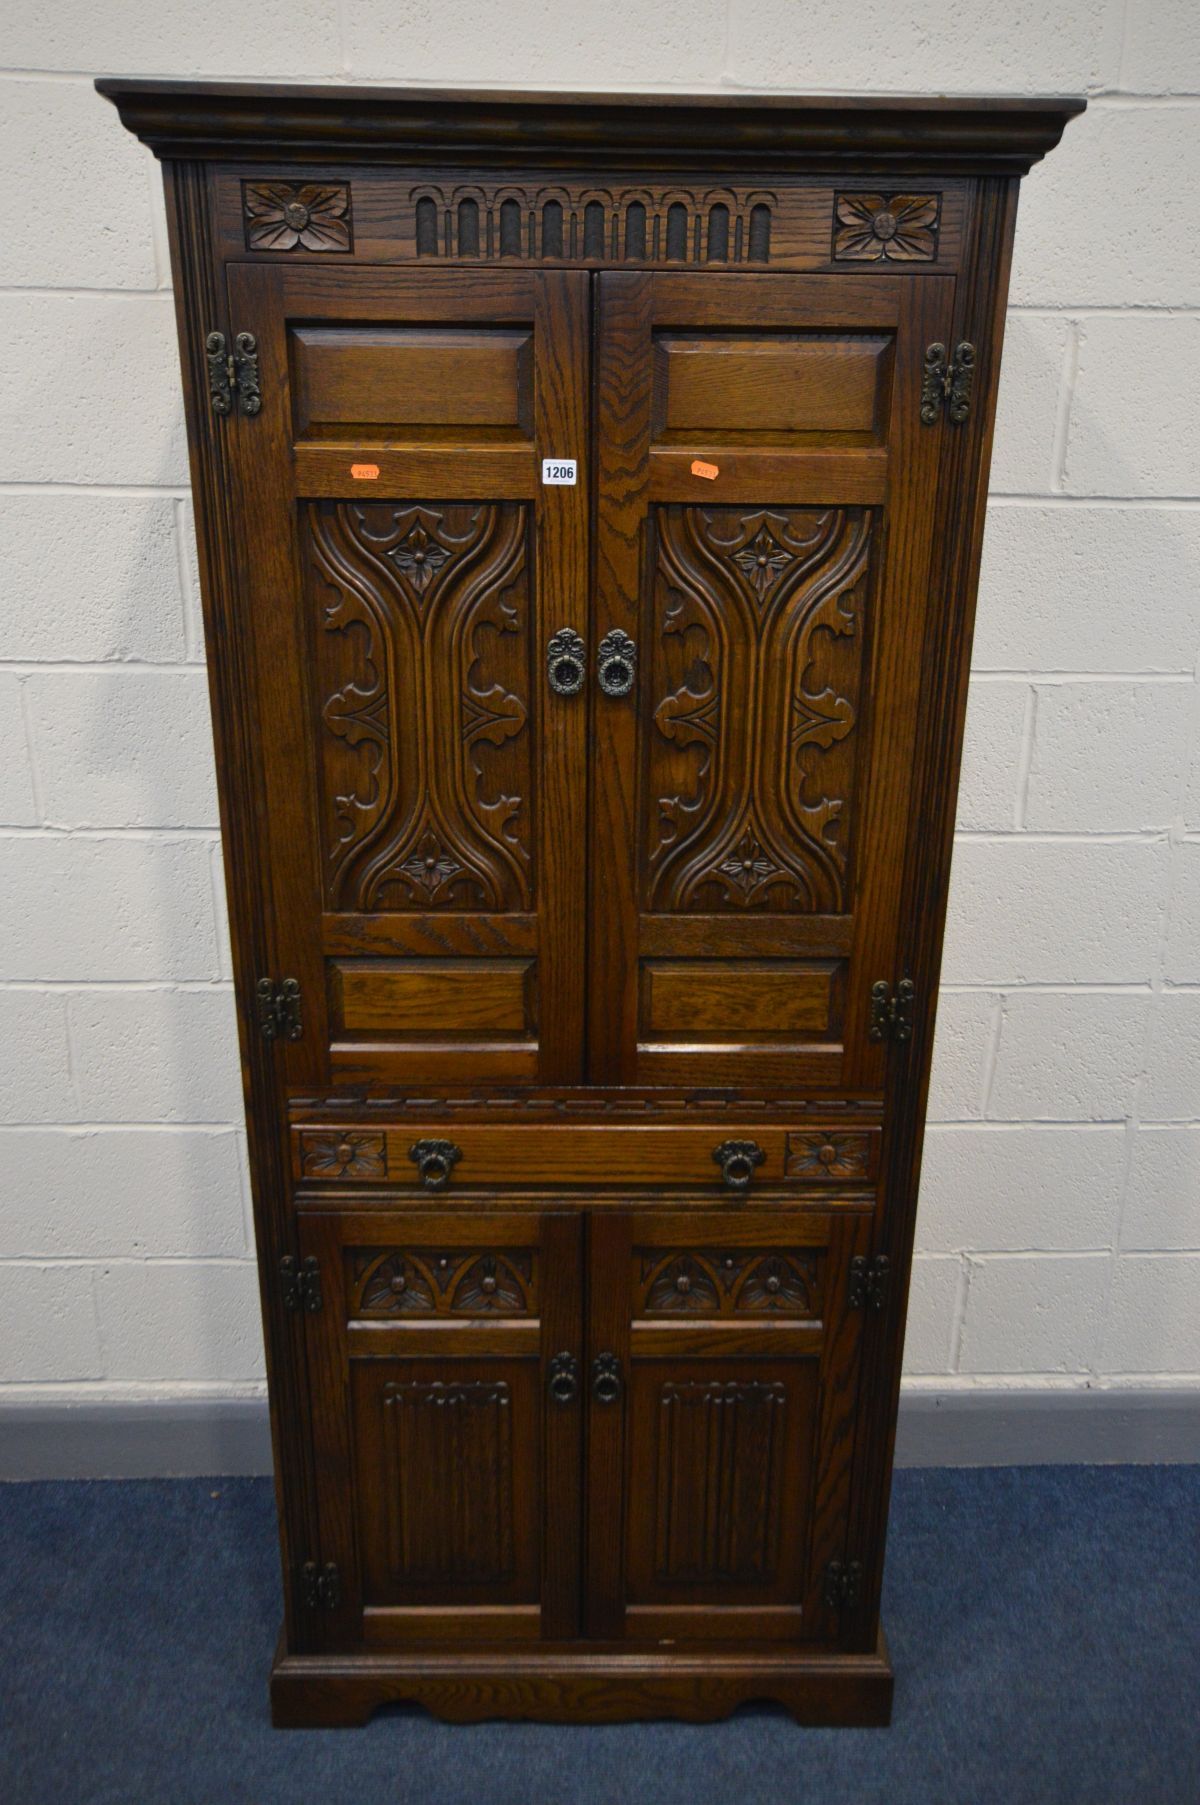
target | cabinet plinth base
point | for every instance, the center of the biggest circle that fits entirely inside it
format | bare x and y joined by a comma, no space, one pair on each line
573,1686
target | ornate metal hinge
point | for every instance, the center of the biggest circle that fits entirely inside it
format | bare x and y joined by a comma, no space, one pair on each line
233,375
947,384
320,1587
300,1282
891,1016
843,1585
279,1015
868,1284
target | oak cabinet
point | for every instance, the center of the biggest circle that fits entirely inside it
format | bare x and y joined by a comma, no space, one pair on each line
589,500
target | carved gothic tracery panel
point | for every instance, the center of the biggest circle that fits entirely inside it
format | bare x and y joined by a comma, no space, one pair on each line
452,1281
729,1281
423,657
758,649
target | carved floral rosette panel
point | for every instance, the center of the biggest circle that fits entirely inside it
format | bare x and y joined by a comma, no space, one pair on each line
423,660
759,644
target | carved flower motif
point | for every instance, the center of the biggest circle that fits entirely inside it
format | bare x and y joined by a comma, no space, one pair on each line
897,228
762,561
778,1283
488,1288
431,866
279,217
828,1155
419,558
682,1285
345,1156
396,1287
748,866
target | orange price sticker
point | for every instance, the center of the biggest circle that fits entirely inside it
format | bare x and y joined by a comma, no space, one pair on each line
700,468
364,473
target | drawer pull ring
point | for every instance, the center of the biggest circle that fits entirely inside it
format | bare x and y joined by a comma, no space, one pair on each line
564,1378
566,663
435,1161
737,1160
606,1378
616,663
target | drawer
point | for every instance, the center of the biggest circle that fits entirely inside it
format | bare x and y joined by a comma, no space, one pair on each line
730,1158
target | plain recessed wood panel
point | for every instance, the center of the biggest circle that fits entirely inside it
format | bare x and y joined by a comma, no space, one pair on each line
760,997
437,996
406,376
780,384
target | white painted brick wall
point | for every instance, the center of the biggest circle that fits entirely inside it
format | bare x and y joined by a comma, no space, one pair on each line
1059,1241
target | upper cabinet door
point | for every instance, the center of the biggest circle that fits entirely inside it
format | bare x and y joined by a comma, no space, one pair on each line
765,502
412,587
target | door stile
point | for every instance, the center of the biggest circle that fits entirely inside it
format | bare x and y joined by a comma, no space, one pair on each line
926,310
562,1333
623,402
264,485
332,1429
610,1242
561,588
833,1462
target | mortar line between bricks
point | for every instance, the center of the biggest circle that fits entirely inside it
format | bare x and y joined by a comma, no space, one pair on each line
233,1261
190,986
1066,401
1042,498
167,832
1010,674
102,491
27,733
103,667
1087,309
58,1126
1025,758
81,292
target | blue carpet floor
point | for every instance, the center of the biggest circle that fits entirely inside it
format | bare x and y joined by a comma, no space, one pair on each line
1045,1624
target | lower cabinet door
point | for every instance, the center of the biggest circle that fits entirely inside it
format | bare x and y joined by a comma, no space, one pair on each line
723,1368
446,1382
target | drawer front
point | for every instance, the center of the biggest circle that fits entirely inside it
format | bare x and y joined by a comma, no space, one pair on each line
727,1158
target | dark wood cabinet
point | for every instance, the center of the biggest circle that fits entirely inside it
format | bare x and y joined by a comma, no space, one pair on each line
589,497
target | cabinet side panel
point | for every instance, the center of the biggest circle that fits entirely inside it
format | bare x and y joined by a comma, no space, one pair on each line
958,539
199,307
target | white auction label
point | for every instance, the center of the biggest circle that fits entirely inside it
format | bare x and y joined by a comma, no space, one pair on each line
558,470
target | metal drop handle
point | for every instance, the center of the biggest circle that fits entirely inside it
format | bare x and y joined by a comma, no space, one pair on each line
738,1161
606,1378
616,663
435,1161
566,662
564,1379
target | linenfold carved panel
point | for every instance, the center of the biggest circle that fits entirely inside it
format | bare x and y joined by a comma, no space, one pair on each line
448,1479
423,658
758,649
718,1479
